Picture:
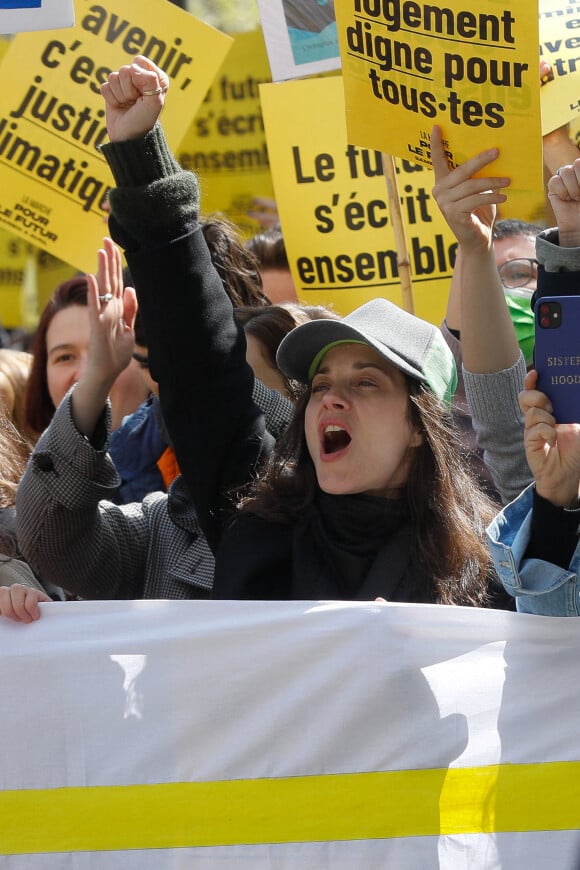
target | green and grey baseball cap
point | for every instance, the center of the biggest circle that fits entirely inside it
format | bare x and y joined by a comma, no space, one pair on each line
414,346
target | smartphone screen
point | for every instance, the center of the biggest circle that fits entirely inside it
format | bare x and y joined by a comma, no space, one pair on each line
557,354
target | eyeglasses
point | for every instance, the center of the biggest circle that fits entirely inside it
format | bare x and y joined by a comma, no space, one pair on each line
518,273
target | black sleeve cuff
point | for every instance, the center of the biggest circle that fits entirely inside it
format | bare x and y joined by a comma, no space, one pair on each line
138,162
555,284
554,533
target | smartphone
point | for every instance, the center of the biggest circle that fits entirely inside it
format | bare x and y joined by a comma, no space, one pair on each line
557,354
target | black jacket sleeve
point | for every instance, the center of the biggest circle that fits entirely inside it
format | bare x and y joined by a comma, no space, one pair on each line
196,349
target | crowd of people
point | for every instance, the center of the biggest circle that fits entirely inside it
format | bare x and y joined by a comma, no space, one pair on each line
203,435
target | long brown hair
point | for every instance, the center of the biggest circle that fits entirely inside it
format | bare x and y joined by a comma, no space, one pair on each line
449,511
236,266
38,406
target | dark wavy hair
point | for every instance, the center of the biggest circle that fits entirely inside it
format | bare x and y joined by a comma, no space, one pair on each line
237,267
38,406
449,511
269,249
269,324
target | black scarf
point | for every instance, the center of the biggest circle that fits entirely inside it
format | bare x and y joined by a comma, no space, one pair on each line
357,547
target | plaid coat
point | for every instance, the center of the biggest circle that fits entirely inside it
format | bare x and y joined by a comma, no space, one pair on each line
71,535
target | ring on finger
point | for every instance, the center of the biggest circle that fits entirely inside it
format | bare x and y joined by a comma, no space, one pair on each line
105,298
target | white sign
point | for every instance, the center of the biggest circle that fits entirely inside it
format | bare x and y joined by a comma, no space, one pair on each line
17,16
301,37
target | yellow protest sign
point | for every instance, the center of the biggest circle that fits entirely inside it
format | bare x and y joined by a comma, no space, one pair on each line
559,44
474,71
50,272
53,179
13,261
16,260
332,199
226,144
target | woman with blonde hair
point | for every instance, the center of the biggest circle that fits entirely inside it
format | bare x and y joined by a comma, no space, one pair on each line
14,373
14,453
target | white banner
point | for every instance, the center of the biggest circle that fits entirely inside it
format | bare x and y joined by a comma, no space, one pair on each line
288,736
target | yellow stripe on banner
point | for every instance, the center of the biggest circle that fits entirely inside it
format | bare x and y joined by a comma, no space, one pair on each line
359,806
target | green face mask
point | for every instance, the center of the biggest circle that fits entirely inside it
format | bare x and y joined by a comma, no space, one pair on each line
523,320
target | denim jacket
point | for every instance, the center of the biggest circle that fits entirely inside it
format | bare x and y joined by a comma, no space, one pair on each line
538,587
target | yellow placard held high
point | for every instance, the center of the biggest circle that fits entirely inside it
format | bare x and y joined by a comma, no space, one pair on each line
332,199
14,254
226,144
472,70
18,261
559,45
53,179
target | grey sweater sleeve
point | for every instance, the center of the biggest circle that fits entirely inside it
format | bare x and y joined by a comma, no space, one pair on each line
14,571
554,258
499,426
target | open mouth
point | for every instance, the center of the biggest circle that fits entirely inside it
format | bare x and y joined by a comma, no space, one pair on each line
334,438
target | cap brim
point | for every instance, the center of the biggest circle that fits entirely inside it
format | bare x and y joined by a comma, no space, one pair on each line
300,347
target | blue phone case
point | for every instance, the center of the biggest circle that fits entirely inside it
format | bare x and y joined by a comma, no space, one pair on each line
557,354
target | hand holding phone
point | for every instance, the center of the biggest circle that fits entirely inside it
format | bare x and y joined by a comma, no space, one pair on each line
557,354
